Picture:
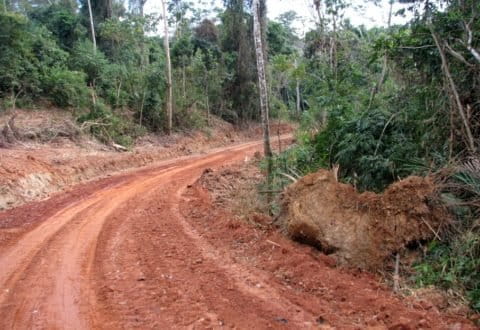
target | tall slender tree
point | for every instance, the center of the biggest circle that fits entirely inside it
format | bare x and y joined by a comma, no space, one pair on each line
92,26
262,80
169,70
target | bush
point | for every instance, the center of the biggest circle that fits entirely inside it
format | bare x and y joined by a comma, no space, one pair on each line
27,52
62,22
109,127
453,265
83,59
66,88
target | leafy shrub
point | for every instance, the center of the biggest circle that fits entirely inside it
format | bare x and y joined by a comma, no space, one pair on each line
62,22
66,88
108,127
453,265
27,52
84,59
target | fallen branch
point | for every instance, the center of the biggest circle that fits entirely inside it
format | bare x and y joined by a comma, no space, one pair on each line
288,176
89,124
431,228
119,147
273,243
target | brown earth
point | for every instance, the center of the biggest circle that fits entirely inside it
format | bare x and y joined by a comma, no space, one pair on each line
148,249
54,154
362,230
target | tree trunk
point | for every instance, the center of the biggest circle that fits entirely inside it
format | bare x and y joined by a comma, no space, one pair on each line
458,102
334,46
144,56
5,6
321,22
298,98
184,82
92,27
470,48
297,89
141,107
169,71
262,82
380,82
207,90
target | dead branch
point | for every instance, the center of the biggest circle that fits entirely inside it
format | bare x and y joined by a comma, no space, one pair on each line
469,46
288,176
89,124
273,243
118,147
457,55
446,70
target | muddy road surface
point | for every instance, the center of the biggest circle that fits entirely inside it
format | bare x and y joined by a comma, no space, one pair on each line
121,253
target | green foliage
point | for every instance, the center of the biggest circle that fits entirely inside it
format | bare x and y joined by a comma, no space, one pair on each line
62,22
453,265
66,88
379,105
108,127
84,59
28,54
280,40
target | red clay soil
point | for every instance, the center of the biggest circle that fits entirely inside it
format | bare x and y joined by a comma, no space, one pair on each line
52,153
147,250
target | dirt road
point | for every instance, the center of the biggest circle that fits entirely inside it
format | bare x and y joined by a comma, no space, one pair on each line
122,253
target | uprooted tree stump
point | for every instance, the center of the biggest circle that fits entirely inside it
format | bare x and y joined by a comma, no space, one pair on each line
362,230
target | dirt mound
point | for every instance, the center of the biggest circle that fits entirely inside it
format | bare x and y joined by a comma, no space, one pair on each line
223,184
361,229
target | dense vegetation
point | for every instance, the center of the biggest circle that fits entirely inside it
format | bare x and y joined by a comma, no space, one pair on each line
380,103
114,79
385,103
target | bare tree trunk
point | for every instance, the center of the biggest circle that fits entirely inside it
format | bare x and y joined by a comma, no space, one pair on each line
141,107
470,48
461,111
321,21
262,81
169,71
184,83
207,89
5,6
334,46
144,57
92,27
297,88
380,82
118,93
